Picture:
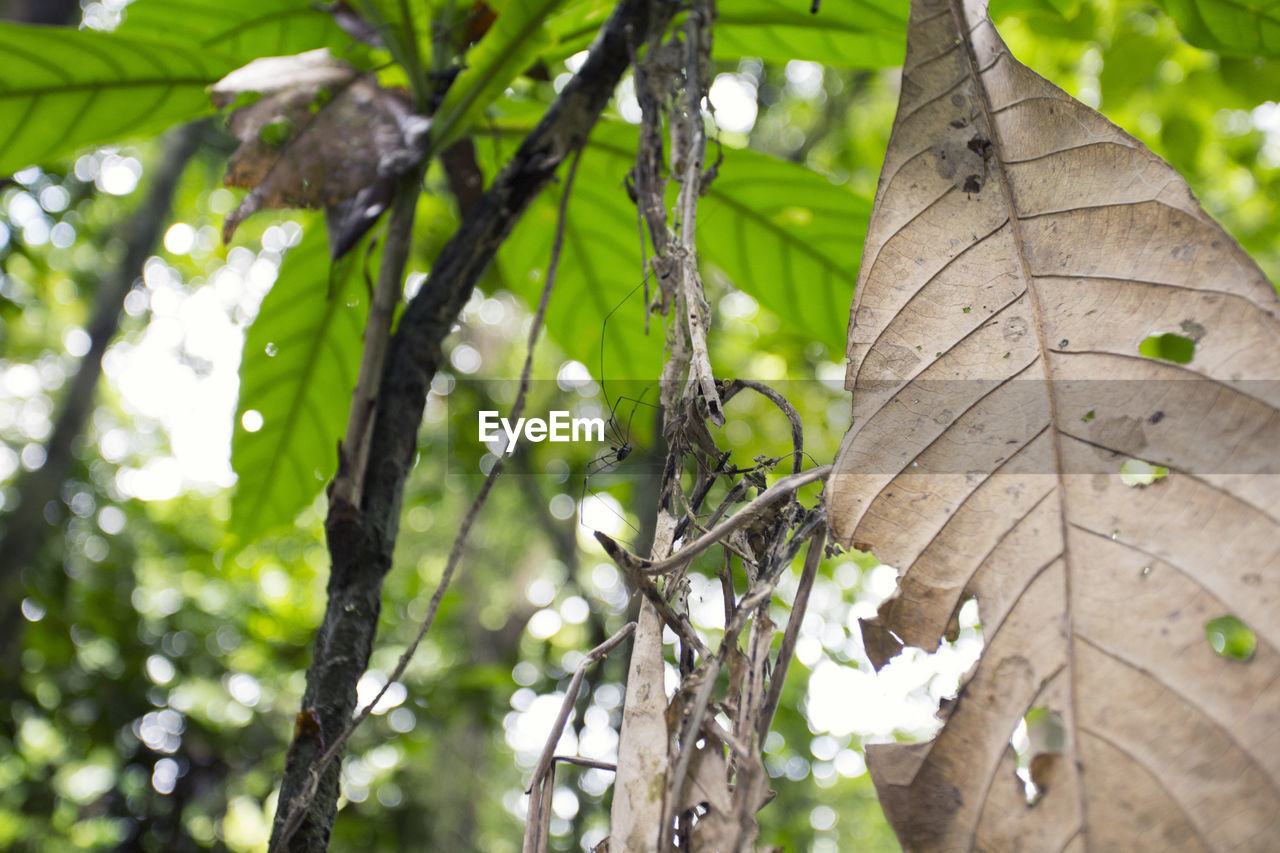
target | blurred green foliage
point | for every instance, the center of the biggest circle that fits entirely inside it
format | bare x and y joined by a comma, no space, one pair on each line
162,667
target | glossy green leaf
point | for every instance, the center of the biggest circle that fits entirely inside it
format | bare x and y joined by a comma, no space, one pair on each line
573,28
599,269
1240,27
789,237
298,370
848,34
506,50
778,230
62,90
241,29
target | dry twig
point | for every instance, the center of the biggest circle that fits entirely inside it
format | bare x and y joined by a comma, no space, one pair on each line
540,784
785,486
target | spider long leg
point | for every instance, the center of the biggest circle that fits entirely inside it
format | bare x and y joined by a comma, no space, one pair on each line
604,462
587,490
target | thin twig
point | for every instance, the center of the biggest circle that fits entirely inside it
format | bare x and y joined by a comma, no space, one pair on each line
354,455
697,34
688,734
361,546
702,489
541,818
797,429
727,592
732,497
785,486
789,637
587,762
678,623
571,696
533,834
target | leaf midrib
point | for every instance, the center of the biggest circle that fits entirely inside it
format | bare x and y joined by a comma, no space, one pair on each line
297,399
964,33
135,83
254,23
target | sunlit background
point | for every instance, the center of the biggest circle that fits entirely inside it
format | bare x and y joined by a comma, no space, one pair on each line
164,667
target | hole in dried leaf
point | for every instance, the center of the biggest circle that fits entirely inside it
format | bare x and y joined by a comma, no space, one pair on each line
1039,739
918,690
1169,347
1230,637
1135,472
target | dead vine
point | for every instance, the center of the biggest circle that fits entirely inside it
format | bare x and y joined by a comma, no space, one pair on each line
704,743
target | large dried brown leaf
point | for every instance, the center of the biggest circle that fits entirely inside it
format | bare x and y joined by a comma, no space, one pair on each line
1021,250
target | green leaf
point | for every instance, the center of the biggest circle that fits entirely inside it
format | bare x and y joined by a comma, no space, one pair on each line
1239,27
573,28
848,34
599,268
299,367
62,90
1065,8
1169,347
241,29
789,237
405,35
780,231
511,44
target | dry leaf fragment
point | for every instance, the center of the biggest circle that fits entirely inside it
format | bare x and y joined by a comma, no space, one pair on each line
271,74
322,135
999,387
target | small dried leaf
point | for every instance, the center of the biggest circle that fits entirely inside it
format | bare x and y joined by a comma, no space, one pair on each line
322,136
708,781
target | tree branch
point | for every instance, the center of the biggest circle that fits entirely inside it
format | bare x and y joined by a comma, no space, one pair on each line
361,540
